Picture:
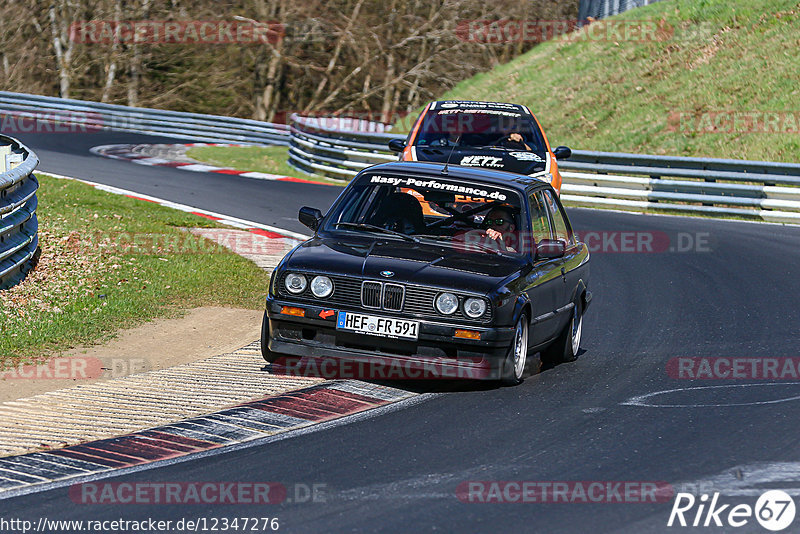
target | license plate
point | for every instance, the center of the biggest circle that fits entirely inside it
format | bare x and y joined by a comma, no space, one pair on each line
377,326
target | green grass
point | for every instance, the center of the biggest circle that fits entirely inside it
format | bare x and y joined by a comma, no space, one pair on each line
268,159
83,293
724,55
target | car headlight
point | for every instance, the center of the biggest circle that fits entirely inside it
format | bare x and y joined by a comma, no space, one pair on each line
474,307
295,283
446,303
321,286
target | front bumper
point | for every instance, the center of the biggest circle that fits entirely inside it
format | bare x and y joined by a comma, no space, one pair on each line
435,354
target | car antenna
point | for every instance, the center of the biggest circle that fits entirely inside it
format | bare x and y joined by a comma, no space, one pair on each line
450,155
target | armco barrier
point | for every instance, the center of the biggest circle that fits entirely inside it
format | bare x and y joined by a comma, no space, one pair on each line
763,190
19,242
599,9
28,112
755,189
318,148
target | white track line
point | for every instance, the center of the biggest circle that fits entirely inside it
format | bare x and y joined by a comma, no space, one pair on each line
224,219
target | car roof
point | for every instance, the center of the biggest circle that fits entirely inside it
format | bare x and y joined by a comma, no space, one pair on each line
480,104
456,172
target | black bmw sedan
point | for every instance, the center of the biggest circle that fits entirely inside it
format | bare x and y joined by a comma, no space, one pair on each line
433,272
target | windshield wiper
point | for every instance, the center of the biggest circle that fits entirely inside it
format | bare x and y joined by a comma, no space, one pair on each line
373,228
498,147
461,244
484,248
435,237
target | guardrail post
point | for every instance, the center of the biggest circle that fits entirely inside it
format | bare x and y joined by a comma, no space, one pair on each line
5,151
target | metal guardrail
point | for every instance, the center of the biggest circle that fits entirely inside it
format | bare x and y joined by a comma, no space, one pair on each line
82,115
317,148
756,189
19,240
768,191
599,9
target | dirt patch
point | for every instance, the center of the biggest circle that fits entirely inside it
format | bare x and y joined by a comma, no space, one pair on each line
200,334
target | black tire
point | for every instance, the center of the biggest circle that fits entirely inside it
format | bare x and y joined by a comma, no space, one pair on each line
517,355
268,355
566,346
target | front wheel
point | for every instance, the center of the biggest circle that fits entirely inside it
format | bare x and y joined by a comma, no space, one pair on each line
517,356
268,355
565,348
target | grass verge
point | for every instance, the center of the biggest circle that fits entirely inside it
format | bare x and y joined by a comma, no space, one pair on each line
110,262
663,96
267,159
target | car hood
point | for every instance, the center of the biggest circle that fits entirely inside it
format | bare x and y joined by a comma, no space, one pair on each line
418,263
517,161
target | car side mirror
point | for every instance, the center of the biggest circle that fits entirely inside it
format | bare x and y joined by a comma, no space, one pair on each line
562,152
548,249
397,145
310,217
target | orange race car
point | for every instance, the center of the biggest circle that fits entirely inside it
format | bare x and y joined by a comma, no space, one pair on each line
483,134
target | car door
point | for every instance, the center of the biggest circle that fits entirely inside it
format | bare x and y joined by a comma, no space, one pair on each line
544,283
574,253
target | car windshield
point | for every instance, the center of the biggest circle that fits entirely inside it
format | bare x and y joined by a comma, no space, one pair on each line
477,217
483,128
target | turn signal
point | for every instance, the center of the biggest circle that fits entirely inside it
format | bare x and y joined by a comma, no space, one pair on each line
297,312
468,334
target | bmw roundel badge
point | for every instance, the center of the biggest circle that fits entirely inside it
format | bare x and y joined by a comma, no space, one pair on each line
387,274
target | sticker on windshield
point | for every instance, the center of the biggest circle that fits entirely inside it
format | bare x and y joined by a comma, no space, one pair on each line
527,156
481,161
480,112
476,104
436,184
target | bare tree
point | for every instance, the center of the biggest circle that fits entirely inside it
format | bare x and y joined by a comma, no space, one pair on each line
62,15
336,56
111,63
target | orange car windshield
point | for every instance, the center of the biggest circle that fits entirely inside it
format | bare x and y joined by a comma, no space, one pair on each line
470,129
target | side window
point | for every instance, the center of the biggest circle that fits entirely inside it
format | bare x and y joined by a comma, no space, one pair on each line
540,223
561,227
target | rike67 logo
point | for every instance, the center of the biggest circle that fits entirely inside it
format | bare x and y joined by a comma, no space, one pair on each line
774,510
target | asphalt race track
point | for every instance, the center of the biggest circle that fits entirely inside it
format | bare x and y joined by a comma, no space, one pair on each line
733,296
255,200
